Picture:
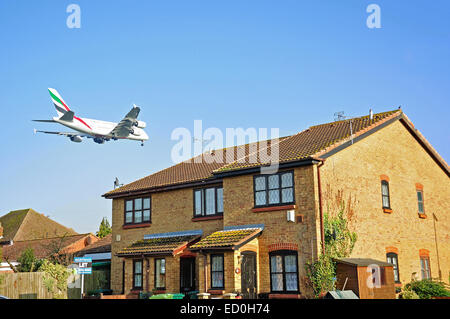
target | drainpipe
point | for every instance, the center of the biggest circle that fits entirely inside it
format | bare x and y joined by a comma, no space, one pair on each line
322,231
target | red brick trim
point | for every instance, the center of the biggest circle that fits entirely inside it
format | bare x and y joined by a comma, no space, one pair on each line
216,292
160,291
424,253
282,246
272,208
423,216
284,296
391,249
136,226
384,178
200,219
387,210
419,186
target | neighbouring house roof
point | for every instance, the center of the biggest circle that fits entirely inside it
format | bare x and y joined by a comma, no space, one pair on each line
227,239
43,248
27,224
101,246
159,245
313,144
363,262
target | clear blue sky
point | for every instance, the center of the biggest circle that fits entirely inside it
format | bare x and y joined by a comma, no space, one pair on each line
287,64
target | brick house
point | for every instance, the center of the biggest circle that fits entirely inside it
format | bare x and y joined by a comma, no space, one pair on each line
220,228
27,228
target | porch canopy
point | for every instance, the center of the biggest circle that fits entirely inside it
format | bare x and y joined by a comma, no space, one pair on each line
231,238
161,244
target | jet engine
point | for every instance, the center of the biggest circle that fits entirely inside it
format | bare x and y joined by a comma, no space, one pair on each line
76,139
140,124
99,140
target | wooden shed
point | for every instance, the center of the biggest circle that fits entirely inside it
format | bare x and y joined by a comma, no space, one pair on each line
367,278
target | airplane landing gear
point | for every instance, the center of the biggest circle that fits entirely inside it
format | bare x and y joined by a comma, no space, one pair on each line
142,143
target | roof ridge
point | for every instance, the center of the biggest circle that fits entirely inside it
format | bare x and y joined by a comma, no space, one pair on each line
57,237
22,222
356,117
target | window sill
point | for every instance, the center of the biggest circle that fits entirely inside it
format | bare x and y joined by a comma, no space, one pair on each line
387,210
284,296
398,284
216,292
136,225
135,290
199,219
423,216
272,208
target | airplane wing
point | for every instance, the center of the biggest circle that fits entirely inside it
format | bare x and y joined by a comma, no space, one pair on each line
125,127
68,134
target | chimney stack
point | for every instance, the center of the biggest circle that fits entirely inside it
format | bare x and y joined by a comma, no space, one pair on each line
371,114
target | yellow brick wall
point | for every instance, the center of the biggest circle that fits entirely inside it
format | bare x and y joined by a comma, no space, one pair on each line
238,204
354,175
171,211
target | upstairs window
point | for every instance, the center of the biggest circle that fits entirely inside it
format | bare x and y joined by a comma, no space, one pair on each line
138,210
273,190
208,201
420,201
392,258
385,194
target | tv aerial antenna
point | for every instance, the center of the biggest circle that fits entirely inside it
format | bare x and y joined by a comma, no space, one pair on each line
339,116
117,184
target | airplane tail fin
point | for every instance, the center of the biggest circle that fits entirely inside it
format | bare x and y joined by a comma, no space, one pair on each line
58,102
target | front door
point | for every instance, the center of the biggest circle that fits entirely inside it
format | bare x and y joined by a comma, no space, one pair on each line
187,274
248,275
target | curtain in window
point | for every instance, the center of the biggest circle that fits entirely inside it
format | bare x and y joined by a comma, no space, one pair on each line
217,271
198,202
260,191
276,264
290,264
210,201
160,278
138,274
220,200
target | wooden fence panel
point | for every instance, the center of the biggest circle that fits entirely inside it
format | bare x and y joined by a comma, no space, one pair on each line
24,285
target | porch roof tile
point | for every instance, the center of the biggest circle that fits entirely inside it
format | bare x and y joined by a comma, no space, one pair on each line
227,238
158,245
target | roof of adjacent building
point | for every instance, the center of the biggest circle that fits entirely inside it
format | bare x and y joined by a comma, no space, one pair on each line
363,262
43,248
231,239
101,246
158,245
314,143
27,224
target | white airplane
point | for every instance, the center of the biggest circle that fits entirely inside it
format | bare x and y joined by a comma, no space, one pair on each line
100,131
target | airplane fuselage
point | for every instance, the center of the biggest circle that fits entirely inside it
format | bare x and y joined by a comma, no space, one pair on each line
101,129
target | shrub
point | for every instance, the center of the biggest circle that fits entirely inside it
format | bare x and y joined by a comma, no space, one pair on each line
408,293
28,262
426,289
55,279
